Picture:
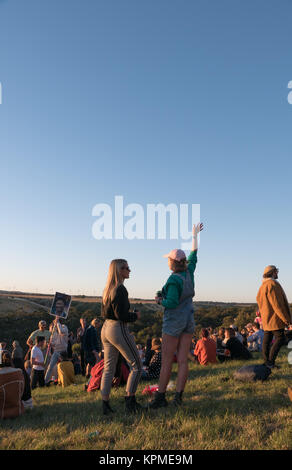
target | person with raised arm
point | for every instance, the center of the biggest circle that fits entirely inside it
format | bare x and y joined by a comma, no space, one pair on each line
116,337
59,343
178,320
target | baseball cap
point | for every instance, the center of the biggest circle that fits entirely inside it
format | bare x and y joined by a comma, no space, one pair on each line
177,255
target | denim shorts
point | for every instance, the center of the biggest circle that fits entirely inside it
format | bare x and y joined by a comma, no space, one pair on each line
174,324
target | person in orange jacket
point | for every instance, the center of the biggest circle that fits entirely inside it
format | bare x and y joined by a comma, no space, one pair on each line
275,314
205,349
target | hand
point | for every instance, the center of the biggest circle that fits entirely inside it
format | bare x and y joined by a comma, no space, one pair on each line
197,229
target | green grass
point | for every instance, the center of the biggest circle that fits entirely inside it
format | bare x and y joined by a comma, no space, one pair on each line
218,413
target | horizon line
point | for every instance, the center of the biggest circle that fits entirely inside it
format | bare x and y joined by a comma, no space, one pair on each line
4,293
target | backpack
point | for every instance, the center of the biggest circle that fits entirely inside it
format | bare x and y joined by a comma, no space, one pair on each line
120,378
96,374
252,373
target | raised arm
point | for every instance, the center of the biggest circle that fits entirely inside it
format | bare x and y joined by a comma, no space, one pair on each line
196,230
192,258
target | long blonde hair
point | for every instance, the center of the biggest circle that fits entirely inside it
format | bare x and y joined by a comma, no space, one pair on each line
114,279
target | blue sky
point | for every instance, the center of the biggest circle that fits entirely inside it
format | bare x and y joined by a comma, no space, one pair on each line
159,101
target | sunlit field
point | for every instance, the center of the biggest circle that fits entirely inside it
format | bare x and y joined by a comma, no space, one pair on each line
218,413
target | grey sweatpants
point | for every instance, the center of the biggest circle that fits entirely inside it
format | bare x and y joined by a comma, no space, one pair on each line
116,338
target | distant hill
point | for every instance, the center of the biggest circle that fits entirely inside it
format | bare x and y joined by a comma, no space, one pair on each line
21,312
89,298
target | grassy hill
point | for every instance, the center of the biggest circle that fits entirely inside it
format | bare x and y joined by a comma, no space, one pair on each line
20,314
218,413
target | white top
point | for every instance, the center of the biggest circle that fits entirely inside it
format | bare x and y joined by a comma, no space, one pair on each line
60,341
36,353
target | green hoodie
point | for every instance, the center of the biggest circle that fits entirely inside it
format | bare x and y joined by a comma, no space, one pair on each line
173,288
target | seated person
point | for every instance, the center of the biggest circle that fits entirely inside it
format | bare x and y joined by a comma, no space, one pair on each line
153,371
220,339
244,334
206,349
11,388
65,369
255,340
77,364
191,354
249,329
234,346
148,352
237,334
251,345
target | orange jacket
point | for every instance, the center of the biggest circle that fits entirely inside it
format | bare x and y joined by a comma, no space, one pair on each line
206,351
273,305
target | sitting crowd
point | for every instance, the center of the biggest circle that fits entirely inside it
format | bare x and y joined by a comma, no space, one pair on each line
51,358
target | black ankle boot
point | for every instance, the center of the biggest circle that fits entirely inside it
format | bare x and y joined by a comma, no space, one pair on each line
106,409
177,401
159,401
131,406
137,405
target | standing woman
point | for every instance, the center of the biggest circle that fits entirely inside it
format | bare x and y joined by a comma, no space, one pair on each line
116,337
178,319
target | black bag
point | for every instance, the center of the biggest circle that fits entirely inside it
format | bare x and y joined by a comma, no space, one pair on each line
251,373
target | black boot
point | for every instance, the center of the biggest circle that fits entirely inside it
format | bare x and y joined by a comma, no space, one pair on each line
177,401
131,406
137,405
159,401
106,409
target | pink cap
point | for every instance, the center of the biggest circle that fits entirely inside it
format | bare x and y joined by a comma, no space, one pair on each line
177,255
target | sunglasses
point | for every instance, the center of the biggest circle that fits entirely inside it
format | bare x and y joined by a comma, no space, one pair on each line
126,267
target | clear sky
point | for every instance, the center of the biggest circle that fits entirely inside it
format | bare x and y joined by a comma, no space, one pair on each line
170,101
